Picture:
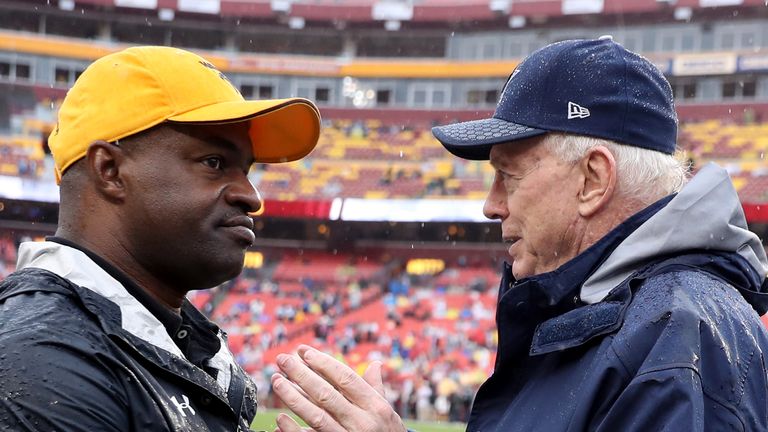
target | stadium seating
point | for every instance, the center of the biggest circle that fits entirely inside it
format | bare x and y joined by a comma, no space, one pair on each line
741,148
21,156
392,161
363,310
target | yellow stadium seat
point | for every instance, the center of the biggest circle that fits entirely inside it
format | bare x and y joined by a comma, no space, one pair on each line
738,183
9,169
376,194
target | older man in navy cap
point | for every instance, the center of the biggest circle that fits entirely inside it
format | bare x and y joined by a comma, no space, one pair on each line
632,296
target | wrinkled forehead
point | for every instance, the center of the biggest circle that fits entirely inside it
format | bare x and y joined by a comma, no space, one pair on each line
517,154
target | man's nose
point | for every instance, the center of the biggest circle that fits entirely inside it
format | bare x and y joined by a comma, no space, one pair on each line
495,206
244,194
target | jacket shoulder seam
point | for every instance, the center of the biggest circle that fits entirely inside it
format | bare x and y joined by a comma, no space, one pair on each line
731,408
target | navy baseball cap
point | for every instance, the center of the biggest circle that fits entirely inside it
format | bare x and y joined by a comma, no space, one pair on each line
587,87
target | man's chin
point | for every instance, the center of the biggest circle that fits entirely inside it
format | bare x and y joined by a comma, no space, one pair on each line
519,270
220,273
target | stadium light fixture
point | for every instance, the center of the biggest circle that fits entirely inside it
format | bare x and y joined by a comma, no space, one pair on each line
67,5
392,25
212,7
137,4
578,7
166,14
296,23
280,6
517,21
499,6
394,11
683,13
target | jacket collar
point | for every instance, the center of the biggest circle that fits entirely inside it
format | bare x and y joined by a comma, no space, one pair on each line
172,321
144,327
526,303
75,266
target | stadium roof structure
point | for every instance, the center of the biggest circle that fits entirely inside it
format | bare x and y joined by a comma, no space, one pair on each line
437,12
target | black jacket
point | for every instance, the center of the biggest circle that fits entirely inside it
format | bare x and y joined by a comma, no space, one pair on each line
77,358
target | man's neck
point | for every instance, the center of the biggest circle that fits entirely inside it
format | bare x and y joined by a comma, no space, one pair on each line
121,258
608,219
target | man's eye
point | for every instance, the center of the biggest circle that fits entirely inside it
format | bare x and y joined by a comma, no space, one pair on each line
506,176
213,162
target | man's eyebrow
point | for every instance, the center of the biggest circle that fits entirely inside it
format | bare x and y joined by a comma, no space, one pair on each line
229,146
497,165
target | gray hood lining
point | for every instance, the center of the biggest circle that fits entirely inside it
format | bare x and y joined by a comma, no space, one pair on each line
705,215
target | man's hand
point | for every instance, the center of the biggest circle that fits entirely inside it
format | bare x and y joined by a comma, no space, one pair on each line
331,397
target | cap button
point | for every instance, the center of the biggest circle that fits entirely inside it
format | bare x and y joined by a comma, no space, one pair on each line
606,37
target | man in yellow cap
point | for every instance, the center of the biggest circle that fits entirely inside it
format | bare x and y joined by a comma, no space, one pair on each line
152,150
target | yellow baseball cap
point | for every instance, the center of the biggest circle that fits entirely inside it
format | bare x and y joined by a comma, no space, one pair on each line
129,91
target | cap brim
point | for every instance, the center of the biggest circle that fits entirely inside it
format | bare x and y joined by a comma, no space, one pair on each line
282,130
474,139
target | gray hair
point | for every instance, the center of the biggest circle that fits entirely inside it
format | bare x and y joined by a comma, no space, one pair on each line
644,175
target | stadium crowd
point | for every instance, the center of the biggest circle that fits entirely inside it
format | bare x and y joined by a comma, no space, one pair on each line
435,338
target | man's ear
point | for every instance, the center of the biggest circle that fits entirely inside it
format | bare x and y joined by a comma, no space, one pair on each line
103,162
599,173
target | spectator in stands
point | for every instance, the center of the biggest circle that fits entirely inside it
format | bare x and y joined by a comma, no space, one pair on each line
152,150
632,298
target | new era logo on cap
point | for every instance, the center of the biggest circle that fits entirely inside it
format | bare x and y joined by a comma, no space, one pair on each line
576,111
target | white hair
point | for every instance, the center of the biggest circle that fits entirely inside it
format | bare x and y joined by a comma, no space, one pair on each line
642,174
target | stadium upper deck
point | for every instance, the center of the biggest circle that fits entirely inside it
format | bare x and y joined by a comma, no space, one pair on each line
363,75
444,55
445,13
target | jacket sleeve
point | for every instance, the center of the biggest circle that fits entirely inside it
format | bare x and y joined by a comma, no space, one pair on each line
54,382
669,399
692,352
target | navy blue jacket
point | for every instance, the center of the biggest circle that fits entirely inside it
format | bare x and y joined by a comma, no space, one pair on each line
676,345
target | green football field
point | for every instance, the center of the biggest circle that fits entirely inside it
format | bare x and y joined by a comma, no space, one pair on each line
265,421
